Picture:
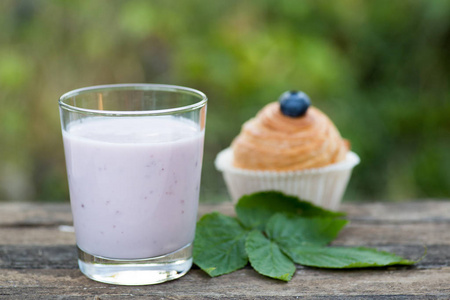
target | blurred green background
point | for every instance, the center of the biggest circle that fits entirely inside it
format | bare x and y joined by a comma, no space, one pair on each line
379,69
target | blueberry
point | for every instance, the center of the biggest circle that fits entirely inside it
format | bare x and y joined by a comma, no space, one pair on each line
294,103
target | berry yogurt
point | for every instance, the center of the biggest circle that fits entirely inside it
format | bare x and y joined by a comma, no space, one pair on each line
134,184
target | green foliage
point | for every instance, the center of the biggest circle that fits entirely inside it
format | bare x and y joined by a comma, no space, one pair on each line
282,240
267,258
290,229
256,209
219,244
379,69
343,257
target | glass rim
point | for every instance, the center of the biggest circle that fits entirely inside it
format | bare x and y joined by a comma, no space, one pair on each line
134,87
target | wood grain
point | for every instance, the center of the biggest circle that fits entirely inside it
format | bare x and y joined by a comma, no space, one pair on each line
319,284
38,259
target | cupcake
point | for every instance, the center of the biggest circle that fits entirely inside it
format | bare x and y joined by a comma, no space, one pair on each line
292,147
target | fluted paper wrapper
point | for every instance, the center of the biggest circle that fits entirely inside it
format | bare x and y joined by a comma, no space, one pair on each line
322,186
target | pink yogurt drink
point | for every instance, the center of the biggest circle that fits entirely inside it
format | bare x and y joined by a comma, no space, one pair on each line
134,184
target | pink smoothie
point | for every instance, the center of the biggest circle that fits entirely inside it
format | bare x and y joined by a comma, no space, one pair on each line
134,184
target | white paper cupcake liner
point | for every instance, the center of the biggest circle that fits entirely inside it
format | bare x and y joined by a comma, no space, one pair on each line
322,186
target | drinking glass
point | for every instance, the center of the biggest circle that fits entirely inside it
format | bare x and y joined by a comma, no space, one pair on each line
134,156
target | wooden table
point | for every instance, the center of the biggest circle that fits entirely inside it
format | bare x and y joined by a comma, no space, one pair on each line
38,259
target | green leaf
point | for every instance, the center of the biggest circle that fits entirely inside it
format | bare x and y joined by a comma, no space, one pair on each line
343,257
219,245
255,210
285,231
266,257
293,231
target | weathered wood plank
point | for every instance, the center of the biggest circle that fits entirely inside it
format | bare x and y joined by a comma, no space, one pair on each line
403,212
13,214
243,284
65,256
38,259
39,214
355,234
35,236
359,234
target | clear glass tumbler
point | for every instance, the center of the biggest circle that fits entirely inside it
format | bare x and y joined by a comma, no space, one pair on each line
134,156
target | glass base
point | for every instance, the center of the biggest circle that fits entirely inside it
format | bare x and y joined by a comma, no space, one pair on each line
136,271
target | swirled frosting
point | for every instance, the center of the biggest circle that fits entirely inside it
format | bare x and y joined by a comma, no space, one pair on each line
275,142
